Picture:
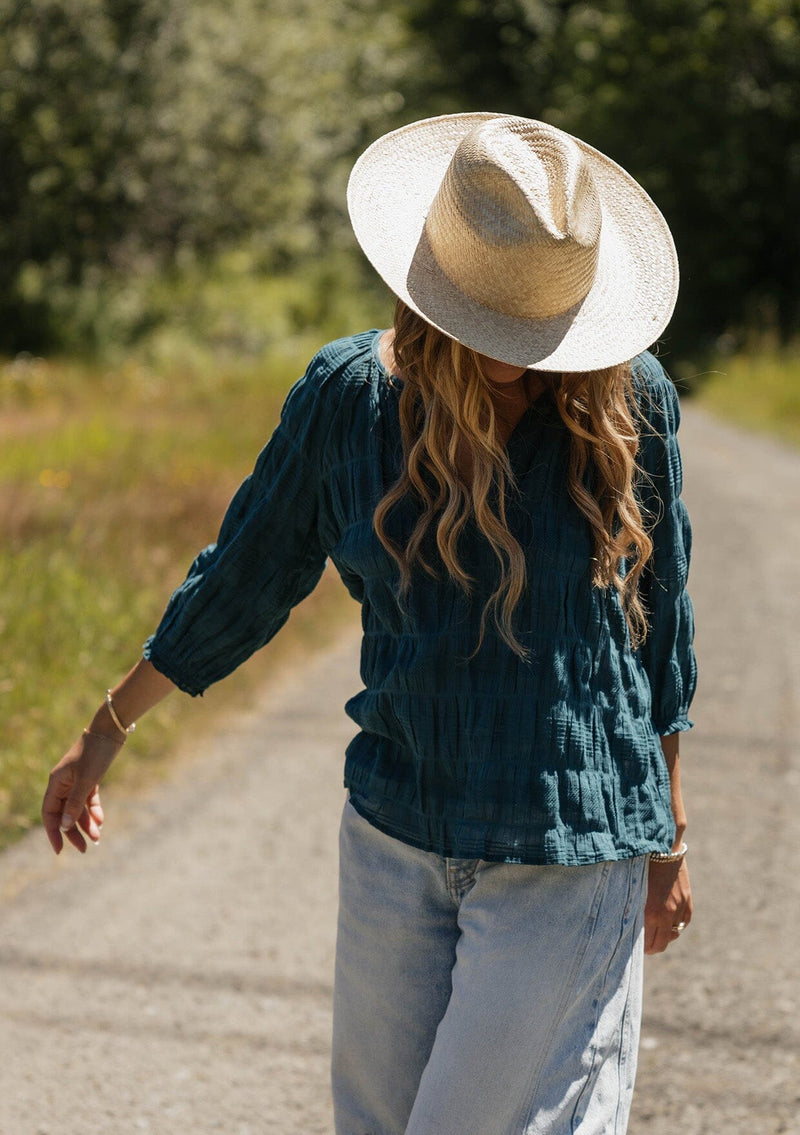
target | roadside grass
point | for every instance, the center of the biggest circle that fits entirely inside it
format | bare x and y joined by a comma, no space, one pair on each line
758,389
111,479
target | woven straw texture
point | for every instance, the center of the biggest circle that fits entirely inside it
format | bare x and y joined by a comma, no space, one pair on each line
516,239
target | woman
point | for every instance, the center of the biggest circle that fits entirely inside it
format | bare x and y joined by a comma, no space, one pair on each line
497,481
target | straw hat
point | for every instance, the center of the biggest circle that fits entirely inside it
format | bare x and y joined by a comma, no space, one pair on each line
516,239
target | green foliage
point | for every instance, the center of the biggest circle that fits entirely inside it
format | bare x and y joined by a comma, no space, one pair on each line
227,310
148,142
139,135
697,98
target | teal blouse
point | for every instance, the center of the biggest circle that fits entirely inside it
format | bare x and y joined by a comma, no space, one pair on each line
554,759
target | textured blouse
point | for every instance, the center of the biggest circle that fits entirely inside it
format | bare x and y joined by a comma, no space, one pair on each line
555,758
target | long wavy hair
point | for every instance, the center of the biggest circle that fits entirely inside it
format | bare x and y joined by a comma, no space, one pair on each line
457,467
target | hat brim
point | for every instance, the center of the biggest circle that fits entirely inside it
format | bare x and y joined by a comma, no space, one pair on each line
390,191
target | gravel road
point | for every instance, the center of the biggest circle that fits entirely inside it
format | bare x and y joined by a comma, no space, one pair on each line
177,979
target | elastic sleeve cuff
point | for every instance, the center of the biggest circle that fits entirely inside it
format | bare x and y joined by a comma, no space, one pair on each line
152,656
679,725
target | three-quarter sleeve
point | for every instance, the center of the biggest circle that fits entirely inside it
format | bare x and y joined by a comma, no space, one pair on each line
667,654
268,556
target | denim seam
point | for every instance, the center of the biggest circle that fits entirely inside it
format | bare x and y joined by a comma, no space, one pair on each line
595,1066
625,1048
594,910
622,1053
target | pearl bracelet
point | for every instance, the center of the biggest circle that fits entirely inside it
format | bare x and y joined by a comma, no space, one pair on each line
669,856
122,728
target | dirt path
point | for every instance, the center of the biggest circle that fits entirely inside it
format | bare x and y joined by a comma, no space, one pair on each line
177,979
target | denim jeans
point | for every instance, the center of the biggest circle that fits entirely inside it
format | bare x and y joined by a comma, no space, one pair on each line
476,998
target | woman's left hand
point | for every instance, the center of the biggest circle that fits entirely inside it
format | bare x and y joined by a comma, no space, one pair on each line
668,910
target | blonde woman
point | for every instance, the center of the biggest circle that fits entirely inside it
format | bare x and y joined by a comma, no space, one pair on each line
498,482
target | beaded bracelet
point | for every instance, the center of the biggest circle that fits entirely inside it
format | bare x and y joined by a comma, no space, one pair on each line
669,856
122,728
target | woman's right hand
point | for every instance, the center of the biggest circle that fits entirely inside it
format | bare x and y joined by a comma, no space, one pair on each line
71,802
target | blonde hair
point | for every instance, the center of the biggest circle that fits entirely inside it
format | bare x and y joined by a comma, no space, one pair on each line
455,462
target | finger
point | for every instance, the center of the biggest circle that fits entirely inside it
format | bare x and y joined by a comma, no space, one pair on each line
76,804
52,810
666,934
55,837
96,811
51,821
679,924
657,945
87,824
76,839
652,937
659,937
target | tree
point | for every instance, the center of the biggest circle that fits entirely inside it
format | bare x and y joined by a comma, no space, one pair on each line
697,98
137,134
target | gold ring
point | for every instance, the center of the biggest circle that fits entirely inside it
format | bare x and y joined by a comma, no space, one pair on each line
679,926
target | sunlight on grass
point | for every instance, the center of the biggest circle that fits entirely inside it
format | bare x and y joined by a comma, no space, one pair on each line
759,390
111,479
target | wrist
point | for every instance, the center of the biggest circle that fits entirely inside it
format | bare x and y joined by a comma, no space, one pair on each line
117,742
676,855
102,724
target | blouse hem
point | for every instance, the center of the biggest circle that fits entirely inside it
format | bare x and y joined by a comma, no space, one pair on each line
535,856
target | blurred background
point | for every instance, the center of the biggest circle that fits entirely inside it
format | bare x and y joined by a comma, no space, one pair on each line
174,245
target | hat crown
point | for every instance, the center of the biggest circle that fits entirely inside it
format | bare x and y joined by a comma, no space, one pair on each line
516,221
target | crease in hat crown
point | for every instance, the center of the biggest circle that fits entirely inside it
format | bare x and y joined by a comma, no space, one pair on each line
516,221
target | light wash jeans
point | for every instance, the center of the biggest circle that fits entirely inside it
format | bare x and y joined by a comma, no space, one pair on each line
477,998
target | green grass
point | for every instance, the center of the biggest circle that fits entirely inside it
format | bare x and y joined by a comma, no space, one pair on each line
112,477
760,390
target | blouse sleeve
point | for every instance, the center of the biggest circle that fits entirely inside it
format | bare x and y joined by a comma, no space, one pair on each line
268,556
667,654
